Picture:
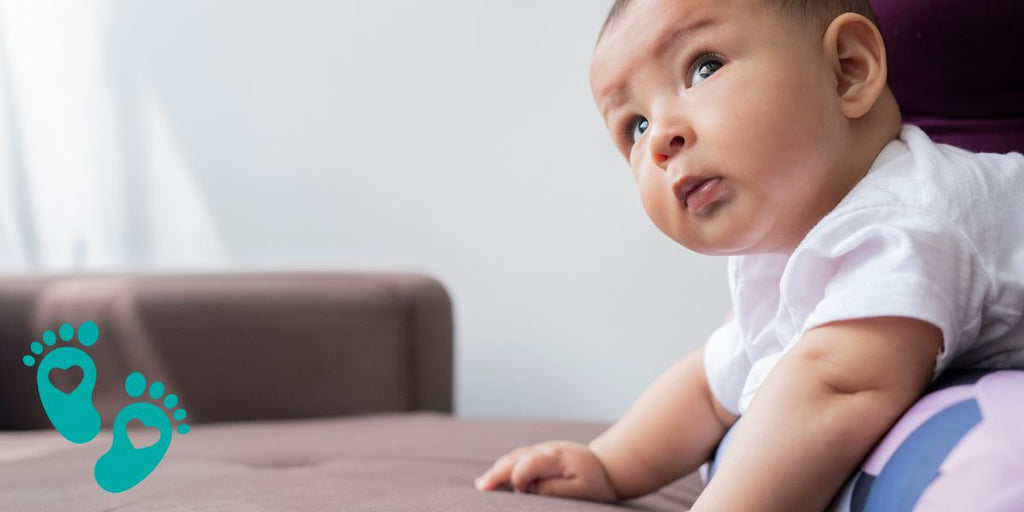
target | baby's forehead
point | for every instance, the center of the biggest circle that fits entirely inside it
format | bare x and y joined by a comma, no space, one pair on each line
653,11
644,31
644,27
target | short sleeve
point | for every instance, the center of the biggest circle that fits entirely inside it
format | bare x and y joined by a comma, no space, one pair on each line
887,262
726,365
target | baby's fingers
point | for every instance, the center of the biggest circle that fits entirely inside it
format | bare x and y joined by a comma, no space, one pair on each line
499,474
535,467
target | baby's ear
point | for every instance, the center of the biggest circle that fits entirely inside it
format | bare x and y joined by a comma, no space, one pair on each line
855,49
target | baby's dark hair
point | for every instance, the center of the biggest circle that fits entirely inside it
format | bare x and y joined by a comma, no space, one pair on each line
818,13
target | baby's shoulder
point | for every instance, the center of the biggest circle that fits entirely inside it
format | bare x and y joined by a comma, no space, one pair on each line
935,191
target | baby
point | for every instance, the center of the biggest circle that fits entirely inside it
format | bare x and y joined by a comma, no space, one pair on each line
864,259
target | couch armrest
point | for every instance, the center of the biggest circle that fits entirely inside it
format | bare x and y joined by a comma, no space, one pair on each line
239,346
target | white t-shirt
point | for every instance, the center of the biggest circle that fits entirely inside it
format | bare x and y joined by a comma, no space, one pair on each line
932,232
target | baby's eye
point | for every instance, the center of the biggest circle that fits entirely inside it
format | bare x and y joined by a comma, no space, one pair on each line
636,128
705,66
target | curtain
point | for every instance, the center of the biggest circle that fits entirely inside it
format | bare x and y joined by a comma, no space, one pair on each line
93,175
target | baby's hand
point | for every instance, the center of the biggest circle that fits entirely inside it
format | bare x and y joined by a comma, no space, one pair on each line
554,468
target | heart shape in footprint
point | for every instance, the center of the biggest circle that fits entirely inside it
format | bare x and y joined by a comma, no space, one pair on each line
66,380
141,435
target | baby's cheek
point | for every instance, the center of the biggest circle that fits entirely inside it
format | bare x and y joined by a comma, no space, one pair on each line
653,189
658,210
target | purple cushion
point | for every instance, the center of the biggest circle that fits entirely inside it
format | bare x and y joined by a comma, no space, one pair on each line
955,67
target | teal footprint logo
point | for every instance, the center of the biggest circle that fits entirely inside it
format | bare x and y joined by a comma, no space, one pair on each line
72,414
75,417
124,465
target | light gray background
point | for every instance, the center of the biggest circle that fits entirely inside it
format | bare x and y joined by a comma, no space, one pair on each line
452,137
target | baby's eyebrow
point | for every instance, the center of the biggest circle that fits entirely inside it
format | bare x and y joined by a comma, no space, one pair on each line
615,99
682,35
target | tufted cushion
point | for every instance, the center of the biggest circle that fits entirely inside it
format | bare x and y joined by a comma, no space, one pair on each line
411,461
955,68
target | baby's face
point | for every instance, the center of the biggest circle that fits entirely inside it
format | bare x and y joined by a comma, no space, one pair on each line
729,115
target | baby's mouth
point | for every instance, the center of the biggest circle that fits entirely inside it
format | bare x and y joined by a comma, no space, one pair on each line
696,193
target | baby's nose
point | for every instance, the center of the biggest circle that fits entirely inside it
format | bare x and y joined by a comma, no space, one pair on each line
674,144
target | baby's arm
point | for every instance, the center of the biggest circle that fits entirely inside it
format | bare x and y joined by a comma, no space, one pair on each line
820,411
670,430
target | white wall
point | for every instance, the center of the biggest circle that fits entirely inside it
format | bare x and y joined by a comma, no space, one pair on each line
454,137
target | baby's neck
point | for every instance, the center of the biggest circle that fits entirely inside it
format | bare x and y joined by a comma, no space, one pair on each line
867,136
872,132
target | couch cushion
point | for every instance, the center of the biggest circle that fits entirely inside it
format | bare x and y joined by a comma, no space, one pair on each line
415,461
239,346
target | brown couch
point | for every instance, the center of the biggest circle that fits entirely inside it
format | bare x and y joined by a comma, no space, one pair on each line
305,391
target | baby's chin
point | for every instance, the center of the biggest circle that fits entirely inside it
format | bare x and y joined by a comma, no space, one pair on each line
710,250
724,238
